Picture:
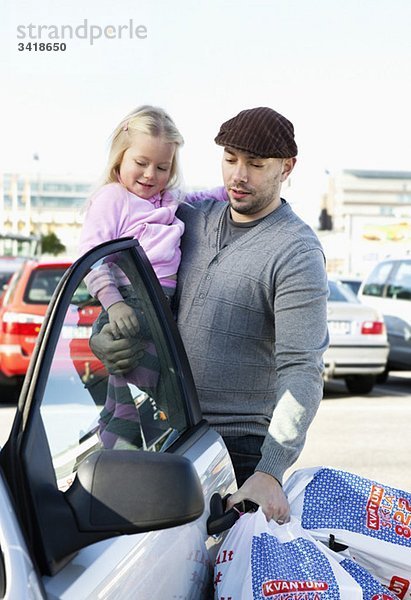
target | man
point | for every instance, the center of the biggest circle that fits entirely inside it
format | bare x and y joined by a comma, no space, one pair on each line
252,292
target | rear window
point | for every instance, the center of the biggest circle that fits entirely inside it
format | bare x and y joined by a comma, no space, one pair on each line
353,284
41,285
81,297
339,292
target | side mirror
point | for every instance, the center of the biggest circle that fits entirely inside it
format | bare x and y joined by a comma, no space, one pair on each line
126,491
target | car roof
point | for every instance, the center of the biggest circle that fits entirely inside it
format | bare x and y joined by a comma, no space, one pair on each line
343,277
48,263
350,278
394,259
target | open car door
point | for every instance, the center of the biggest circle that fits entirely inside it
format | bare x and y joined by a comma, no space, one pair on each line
108,478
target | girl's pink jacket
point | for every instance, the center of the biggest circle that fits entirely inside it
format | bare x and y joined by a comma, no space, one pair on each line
114,212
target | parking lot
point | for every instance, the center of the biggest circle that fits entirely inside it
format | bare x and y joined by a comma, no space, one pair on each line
368,435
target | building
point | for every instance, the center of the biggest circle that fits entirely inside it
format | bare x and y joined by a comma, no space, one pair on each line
365,215
371,218
17,244
34,205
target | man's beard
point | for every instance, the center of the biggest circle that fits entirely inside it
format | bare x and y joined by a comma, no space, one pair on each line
252,204
256,201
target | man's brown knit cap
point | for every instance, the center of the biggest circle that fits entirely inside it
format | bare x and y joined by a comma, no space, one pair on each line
261,131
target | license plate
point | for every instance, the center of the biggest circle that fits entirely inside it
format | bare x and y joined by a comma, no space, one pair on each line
339,327
71,332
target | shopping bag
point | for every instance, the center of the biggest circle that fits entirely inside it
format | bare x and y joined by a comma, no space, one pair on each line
260,560
372,519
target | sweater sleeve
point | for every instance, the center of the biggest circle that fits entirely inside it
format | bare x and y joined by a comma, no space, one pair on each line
104,221
301,338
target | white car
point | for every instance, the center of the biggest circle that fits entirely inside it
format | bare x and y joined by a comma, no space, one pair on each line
83,519
388,289
358,340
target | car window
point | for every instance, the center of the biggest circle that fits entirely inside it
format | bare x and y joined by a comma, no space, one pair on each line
339,292
84,408
41,285
400,284
376,281
82,296
353,284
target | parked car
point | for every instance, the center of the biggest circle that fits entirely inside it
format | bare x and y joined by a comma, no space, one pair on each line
79,520
388,289
8,266
358,341
22,312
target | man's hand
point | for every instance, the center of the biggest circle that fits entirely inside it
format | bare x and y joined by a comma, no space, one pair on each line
118,356
264,490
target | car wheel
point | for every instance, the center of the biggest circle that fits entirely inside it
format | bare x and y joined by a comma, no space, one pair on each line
360,384
382,377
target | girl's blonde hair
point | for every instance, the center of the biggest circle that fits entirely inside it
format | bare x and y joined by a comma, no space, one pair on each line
151,120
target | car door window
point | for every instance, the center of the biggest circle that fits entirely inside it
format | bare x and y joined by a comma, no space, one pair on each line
84,407
376,282
400,285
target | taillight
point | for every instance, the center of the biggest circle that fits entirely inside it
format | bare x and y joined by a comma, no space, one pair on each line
373,327
21,323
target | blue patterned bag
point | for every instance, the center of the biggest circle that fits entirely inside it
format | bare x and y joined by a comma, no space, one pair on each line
260,560
371,519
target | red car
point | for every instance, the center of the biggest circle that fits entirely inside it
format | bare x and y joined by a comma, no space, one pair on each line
22,312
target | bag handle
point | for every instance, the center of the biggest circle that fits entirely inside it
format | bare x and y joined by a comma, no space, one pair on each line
220,519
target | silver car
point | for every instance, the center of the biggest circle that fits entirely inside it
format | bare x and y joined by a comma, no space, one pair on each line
81,518
358,340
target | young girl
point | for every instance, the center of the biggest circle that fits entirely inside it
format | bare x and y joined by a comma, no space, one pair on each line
139,199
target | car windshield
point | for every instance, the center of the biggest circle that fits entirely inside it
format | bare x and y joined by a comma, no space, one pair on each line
339,292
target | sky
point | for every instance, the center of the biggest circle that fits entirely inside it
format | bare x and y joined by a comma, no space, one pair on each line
340,70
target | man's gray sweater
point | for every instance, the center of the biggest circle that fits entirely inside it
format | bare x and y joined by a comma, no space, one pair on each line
253,319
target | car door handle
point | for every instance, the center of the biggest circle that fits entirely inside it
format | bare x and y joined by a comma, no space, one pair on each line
220,519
